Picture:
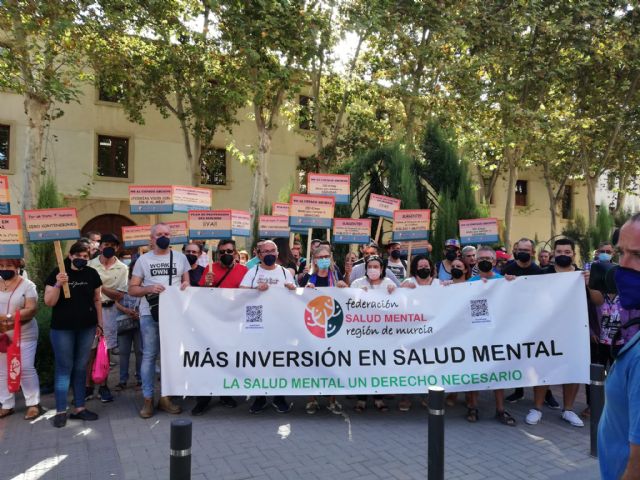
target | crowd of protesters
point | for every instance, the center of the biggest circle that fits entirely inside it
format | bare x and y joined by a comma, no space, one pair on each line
117,297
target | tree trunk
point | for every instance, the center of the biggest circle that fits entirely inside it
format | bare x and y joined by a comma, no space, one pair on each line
511,156
260,174
36,111
591,197
622,194
409,106
553,215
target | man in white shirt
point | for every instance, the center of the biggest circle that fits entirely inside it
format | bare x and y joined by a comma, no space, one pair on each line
268,274
152,273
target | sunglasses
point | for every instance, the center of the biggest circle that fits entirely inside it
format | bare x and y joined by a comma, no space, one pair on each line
230,252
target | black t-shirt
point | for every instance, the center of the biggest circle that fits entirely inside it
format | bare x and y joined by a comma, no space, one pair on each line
518,271
195,274
320,281
79,311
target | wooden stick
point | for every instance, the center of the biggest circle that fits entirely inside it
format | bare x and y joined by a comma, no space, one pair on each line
153,219
210,256
292,237
309,258
328,234
60,259
379,229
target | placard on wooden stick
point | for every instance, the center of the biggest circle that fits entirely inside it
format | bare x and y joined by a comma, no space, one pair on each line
11,237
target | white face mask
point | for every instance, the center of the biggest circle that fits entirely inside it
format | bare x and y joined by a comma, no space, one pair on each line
373,273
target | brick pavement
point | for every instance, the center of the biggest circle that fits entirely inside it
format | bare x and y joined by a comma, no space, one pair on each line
232,444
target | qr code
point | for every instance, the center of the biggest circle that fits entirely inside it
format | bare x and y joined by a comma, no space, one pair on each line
254,314
479,308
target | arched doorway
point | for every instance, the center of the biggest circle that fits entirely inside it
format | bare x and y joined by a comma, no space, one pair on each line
107,223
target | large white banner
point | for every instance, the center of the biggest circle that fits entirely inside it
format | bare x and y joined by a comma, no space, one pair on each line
472,336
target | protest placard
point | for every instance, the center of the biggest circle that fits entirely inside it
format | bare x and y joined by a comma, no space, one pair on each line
179,232
11,238
479,230
190,198
311,211
417,248
381,206
5,205
351,230
411,225
325,184
240,223
136,236
280,209
208,224
150,199
273,226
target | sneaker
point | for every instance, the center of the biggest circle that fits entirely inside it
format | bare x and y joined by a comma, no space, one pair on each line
201,406
228,402
312,407
85,415
533,417
259,404
550,401
88,394
571,417
335,407
516,396
105,394
281,405
59,420
120,387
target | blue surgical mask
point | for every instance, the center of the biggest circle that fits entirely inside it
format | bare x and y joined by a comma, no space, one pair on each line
604,257
324,263
628,285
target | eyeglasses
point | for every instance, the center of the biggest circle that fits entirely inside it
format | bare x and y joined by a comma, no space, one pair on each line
229,251
268,252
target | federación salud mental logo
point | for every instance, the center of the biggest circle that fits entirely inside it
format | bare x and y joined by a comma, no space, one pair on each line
323,317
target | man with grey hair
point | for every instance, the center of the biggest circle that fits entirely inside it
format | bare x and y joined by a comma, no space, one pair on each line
268,274
152,273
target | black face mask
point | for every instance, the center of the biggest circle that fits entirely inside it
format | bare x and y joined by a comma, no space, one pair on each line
108,252
485,266
524,257
563,260
7,274
451,255
79,263
163,242
423,273
191,258
226,259
269,260
456,273
395,254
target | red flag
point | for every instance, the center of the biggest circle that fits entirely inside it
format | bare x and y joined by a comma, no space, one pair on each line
14,358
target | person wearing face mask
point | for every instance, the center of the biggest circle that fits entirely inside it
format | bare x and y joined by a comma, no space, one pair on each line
268,274
394,262
564,253
73,328
619,428
358,269
451,252
94,243
422,273
17,293
544,258
152,274
115,277
193,251
226,273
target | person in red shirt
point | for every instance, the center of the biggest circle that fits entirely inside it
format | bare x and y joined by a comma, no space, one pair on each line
225,273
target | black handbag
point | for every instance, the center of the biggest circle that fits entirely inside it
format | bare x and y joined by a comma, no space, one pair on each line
153,299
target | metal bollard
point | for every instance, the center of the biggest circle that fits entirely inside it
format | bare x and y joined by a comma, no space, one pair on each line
180,450
435,455
597,404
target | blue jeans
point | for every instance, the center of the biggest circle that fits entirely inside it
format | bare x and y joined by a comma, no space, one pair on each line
126,341
150,348
71,350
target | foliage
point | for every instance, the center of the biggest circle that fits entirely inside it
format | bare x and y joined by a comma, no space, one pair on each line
603,228
446,224
578,231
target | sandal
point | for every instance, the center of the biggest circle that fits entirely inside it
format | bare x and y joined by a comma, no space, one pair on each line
5,412
361,406
506,418
380,406
404,405
472,414
33,412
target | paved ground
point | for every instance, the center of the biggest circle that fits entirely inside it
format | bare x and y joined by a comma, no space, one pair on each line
232,444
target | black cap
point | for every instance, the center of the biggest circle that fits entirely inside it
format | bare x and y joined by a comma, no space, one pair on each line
109,238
